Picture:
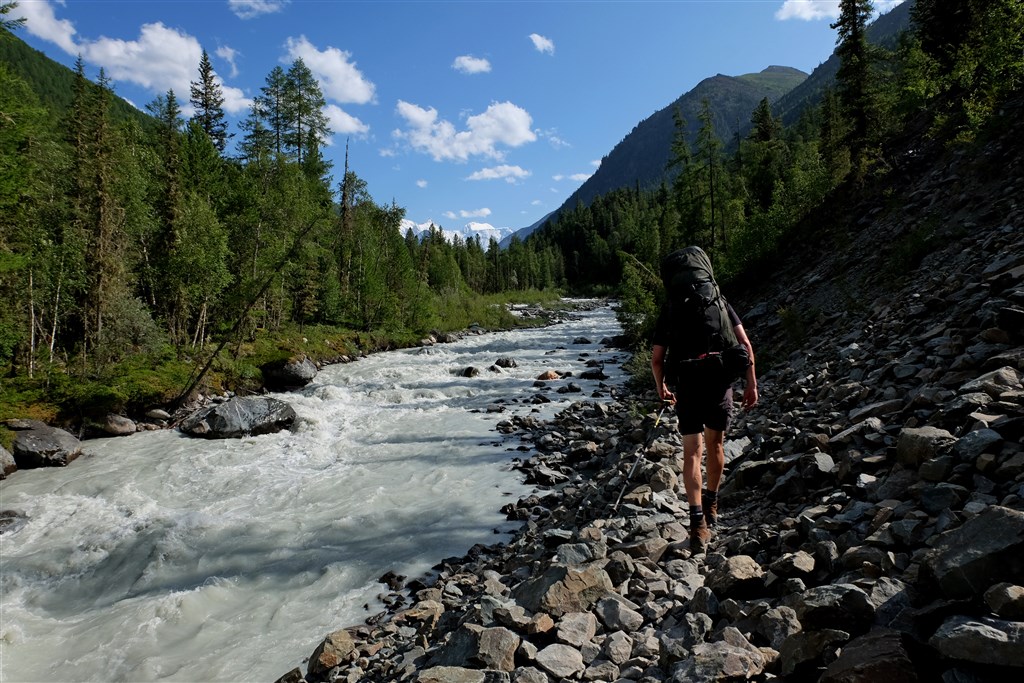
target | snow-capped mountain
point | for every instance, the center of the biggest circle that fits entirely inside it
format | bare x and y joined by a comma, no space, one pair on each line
471,230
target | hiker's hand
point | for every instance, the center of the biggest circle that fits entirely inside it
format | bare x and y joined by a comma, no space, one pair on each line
750,396
665,395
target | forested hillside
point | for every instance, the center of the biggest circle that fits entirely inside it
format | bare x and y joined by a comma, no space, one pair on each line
131,245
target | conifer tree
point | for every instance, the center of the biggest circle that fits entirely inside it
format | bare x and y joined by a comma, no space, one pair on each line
207,98
306,124
9,24
853,80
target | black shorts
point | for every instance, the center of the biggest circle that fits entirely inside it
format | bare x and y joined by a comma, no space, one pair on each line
703,402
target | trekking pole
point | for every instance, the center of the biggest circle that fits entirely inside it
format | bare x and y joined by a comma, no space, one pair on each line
640,456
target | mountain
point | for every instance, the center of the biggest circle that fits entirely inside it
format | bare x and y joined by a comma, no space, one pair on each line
883,32
471,230
640,158
53,82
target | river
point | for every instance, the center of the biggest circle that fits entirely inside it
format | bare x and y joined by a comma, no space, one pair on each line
162,557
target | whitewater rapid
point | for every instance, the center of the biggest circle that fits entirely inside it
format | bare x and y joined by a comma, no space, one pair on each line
160,557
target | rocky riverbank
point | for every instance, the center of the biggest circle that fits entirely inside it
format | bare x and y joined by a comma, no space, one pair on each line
872,519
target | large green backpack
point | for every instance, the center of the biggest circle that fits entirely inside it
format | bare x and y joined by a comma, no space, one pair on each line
700,326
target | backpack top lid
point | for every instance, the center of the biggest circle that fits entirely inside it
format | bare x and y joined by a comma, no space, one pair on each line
686,267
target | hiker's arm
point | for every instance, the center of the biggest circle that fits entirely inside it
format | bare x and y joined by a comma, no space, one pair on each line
658,370
750,391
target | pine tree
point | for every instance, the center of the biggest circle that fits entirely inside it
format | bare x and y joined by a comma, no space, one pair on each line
207,98
9,24
853,80
306,123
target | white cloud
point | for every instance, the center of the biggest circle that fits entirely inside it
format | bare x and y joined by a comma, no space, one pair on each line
558,178
469,64
545,45
343,123
229,55
450,214
476,213
247,9
579,177
509,174
536,202
596,163
42,23
340,79
812,10
160,59
421,183
502,124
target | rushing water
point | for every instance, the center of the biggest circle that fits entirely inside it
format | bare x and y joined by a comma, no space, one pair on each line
158,556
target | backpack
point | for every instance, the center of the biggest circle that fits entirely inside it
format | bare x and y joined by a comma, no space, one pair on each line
700,326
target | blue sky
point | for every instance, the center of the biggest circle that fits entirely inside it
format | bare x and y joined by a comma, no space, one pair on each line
471,114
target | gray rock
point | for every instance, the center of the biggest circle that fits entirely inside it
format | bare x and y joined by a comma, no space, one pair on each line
561,590
739,573
118,425
799,563
617,647
802,652
528,674
338,647
704,601
981,641
241,416
473,645
287,374
731,658
7,464
38,445
985,550
876,656
452,674
1006,600
777,624
994,383
915,445
560,660
973,444
576,628
830,605
617,616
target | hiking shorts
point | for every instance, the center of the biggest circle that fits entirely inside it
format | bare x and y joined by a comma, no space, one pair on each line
703,401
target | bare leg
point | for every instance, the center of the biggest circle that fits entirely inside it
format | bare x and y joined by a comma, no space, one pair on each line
693,447
716,458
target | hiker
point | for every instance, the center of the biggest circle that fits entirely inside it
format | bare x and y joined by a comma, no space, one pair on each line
699,349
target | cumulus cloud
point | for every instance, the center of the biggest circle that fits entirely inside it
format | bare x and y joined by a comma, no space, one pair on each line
344,123
421,183
596,163
43,23
502,124
542,44
476,213
579,177
247,9
812,10
469,64
160,59
509,174
229,55
339,78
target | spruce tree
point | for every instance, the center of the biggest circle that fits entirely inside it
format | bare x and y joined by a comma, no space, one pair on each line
207,98
853,80
306,123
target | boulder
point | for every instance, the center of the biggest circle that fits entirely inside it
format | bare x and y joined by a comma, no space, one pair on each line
7,463
288,374
577,628
561,590
875,656
918,444
336,648
241,416
561,661
476,646
843,603
740,574
1006,600
985,550
37,444
981,641
732,658
118,425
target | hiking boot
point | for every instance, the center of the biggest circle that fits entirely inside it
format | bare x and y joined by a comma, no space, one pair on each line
700,535
711,513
